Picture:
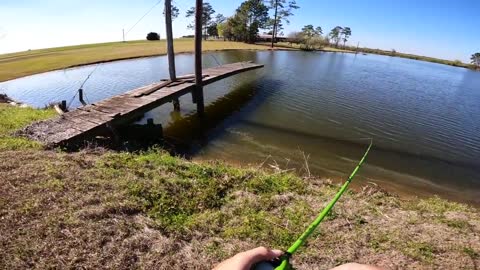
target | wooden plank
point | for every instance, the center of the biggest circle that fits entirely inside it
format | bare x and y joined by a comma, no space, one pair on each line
106,111
101,117
150,90
79,124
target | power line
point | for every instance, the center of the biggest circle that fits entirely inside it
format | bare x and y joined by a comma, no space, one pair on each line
150,10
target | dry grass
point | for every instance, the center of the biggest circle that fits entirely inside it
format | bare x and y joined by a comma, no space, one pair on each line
149,210
21,64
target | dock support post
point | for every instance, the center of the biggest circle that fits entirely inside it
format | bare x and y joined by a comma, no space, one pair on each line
63,106
114,133
80,97
198,96
170,51
158,128
176,105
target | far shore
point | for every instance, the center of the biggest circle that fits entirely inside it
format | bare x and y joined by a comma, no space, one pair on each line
21,64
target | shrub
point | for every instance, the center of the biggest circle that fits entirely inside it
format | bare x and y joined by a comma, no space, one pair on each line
153,36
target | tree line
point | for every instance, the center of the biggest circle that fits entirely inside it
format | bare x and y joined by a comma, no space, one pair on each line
252,15
310,37
476,60
249,18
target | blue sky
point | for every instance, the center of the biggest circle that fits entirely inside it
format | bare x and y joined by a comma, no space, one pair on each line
440,28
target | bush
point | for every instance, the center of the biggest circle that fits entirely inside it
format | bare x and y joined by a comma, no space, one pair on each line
153,36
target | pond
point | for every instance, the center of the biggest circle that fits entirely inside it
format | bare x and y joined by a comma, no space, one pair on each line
424,118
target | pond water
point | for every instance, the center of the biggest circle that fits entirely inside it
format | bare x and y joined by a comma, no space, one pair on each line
424,118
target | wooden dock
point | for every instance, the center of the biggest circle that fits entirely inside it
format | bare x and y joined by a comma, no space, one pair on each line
103,117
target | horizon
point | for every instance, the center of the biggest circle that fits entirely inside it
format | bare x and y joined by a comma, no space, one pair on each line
406,26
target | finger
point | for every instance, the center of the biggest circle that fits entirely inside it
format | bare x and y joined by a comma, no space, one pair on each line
261,254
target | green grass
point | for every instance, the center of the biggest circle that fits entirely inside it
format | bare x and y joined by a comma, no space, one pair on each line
188,197
456,63
352,49
21,64
13,118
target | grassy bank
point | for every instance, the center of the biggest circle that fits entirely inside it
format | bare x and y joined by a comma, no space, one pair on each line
21,64
456,63
351,49
105,209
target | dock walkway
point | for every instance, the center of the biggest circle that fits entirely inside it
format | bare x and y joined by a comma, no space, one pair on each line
101,117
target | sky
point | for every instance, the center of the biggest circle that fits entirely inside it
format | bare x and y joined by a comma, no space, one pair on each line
448,29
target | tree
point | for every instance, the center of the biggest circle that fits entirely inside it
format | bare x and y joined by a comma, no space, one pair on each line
219,18
311,37
249,17
227,31
335,34
221,29
153,36
175,12
282,10
295,37
346,32
207,20
212,30
476,59
309,31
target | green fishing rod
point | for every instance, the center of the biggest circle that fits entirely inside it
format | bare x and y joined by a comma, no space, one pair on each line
283,263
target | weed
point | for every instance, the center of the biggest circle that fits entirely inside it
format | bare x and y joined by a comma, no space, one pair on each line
437,206
471,253
419,250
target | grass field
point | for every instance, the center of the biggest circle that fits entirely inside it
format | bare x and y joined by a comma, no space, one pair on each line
149,210
21,64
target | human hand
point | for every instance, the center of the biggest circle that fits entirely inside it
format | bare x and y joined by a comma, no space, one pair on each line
245,260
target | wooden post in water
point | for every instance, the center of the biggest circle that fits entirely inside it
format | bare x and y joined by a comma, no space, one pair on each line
80,97
170,50
63,105
198,58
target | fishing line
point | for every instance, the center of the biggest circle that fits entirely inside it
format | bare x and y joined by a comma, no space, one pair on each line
148,12
214,58
81,87
283,262
88,77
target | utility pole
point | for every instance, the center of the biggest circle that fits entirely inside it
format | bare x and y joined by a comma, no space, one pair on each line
358,44
123,33
198,58
170,51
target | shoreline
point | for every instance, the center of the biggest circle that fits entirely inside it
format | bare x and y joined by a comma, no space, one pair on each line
185,46
61,58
